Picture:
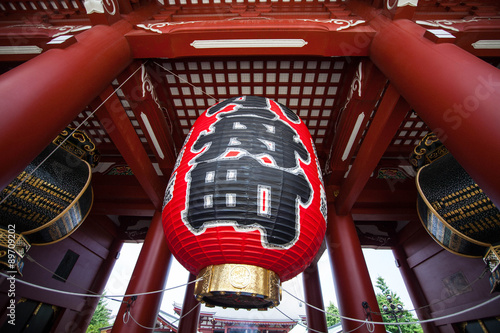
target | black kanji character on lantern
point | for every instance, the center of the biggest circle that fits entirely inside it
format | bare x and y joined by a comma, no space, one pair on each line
255,132
248,175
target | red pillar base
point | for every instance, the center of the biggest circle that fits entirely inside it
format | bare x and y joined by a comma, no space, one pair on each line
316,319
352,280
149,274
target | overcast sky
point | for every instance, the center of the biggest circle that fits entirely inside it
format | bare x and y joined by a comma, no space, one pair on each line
380,263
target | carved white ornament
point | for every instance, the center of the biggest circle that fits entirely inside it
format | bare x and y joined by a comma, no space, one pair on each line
355,84
147,85
344,24
400,3
63,30
155,27
353,136
446,24
99,6
110,6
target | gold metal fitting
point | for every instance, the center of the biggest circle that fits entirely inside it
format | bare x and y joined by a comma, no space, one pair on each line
492,258
238,286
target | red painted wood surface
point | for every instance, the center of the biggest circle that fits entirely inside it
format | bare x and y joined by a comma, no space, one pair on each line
388,117
43,95
190,314
121,131
316,319
150,274
352,280
455,93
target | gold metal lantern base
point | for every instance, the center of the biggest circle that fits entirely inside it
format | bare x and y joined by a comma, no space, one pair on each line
238,286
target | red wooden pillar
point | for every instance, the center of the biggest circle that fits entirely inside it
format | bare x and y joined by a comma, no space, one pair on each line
190,314
352,281
150,274
455,93
316,319
40,97
414,289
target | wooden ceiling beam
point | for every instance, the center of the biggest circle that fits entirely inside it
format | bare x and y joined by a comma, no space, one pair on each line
389,115
115,121
140,93
35,111
364,93
384,200
378,214
308,37
157,74
123,208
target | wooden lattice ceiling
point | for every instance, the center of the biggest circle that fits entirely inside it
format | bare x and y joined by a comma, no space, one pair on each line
310,86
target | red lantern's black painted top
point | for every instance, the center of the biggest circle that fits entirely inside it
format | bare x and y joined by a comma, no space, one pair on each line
247,188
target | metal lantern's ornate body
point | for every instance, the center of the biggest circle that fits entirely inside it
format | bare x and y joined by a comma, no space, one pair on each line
452,207
49,200
245,202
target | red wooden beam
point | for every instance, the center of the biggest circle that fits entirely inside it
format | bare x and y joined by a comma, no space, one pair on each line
455,93
388,117
163,92
40,97
141,93
115,121
183,39
120,195
364,92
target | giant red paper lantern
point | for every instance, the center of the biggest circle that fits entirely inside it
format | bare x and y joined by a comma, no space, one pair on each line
245,207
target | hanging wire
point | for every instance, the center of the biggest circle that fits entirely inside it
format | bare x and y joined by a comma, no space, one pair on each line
197,305
129,315
57,275
312,329
298,323
27,176
400,323
447,298
314,307
69,293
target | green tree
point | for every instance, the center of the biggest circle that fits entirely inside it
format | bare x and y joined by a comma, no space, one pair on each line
404,316
101,317
332,315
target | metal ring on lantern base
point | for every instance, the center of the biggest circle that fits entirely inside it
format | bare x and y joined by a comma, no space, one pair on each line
238,286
